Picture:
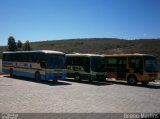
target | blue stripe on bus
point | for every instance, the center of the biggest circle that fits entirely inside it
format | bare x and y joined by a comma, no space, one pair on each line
25,74
5,71
32,75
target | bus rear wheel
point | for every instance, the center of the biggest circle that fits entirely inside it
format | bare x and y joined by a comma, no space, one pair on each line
132,80
37,76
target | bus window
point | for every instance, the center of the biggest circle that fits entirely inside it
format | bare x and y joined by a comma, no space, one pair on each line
98,64
150,64
86,64
77,61
55,61
121,61
8,57
4,57
112,62
136,62
69,61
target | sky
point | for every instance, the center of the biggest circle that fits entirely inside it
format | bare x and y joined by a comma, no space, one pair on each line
41,20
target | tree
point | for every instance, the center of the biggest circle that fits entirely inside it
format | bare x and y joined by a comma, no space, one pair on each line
26,46
19,45
11,44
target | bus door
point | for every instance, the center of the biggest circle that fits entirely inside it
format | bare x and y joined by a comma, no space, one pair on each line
111,67
121,67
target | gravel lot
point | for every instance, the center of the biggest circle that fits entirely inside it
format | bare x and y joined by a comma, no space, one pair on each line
26,96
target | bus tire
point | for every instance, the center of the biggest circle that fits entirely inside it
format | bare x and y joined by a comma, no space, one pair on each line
11,73
132,80
37,76
77,77
144,83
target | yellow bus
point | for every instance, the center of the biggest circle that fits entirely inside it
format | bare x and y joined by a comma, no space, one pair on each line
132,67
40,65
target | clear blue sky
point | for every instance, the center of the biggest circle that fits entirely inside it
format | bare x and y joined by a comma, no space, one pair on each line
37,20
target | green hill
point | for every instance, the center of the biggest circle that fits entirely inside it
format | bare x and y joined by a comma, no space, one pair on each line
100,46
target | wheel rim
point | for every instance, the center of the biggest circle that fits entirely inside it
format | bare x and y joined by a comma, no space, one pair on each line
132,80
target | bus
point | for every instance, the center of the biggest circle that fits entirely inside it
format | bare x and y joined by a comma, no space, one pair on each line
85,66
132,67
40,65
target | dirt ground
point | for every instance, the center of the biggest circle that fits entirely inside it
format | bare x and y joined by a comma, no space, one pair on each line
25,95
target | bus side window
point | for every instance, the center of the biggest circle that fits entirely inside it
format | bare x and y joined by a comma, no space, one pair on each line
122,62
135,62
86,64
37,58
18,57
69,61
11,57
112,62
4,57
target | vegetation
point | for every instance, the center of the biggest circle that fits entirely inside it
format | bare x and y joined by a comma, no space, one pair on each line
19,45
26,46
99,46
11,44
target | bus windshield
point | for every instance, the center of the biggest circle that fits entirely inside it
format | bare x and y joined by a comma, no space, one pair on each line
98,64
150,64
55,61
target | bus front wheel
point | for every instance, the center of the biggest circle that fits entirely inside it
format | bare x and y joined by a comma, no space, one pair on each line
37,76
132,80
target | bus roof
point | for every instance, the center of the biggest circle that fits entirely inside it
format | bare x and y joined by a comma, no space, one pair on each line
84,55
125,55
36,51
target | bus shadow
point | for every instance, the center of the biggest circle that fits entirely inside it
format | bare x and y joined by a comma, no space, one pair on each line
97,83
50,83
150,85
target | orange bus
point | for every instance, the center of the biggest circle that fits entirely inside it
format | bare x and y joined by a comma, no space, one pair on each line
132,67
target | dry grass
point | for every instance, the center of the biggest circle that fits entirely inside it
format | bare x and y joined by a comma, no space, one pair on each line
100,46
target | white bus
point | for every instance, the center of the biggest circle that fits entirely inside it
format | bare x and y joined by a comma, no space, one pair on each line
86,66
40,65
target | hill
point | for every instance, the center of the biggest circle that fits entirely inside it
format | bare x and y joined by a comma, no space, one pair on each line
100,46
